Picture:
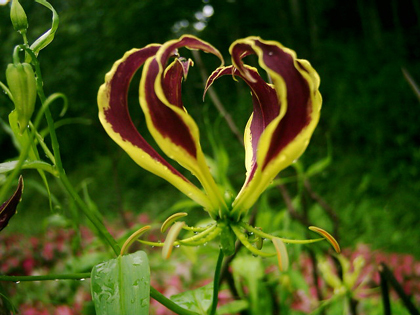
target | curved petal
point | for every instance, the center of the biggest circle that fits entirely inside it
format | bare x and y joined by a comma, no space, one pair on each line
287,115
171,126
8,208
265,109
115,118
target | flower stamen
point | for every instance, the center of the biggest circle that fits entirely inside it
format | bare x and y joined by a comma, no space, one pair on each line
133,238
171,220
170,239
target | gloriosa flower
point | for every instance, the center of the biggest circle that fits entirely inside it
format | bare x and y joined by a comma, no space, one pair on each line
285,114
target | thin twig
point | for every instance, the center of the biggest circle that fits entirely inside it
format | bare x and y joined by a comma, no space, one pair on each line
411,82
383,268
290,208
330,211
385,292
315,277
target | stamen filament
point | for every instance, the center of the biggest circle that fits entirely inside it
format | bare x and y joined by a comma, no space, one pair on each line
196,229
282,256
242,238
171,238
215,232
171,220
327,236
200,235
153,244
133,237
249,228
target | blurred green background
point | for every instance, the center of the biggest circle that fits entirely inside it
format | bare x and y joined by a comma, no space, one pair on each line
370,113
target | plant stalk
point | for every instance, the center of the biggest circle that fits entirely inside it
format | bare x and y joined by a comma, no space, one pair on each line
216,283
72,276
168,303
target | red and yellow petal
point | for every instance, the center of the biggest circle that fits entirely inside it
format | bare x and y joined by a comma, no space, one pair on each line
265,109
283,138
173,129
116,120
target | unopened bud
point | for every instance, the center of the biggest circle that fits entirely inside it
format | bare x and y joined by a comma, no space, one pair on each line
18,17
21,81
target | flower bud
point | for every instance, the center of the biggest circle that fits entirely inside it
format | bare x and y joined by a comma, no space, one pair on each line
18,17
21,81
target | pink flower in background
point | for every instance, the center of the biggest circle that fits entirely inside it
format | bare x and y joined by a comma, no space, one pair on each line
28,265
63,310
27,309
302,302
48,251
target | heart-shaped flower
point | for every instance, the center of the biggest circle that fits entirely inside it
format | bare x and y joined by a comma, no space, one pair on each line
284,117
285,114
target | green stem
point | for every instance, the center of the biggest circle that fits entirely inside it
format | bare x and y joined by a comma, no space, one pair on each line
16,59
72,276
22,157
216,284
168,303
25,38
47,113
59,165
42,144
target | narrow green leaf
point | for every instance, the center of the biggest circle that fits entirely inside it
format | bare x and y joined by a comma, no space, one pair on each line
39,165
122,285
64,122
24,139
48,36
320,165
198,300
250,272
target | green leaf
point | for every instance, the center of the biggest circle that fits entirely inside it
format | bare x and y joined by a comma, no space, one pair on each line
65,122
320,165
7,305
233,307
122,285
48,36
249,271
198,300
39,165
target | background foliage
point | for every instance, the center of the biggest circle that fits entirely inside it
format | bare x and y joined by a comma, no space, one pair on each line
370,114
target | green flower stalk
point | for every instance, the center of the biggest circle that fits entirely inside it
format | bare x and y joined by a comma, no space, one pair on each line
21,81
